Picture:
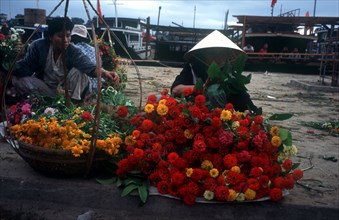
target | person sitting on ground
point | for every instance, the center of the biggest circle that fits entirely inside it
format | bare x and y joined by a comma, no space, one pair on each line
218,48
80,38
41,71
248,48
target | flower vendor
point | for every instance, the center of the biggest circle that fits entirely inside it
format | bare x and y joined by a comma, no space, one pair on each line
79,37
41,71
218,48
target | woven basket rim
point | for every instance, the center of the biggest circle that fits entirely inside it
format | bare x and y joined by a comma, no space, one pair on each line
44,150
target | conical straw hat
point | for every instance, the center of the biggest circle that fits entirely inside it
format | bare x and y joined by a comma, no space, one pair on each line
215,40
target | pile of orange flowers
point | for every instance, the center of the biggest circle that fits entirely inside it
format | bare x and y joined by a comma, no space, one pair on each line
72,134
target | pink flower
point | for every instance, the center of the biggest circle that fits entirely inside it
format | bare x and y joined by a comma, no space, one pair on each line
2,37
26,109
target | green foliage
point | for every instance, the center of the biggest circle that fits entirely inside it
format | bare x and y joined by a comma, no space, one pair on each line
229,78
332,126
135,183
285,136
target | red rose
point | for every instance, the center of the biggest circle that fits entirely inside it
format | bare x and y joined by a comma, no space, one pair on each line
210,184
189,199
178,178
200,100
253,184
258,119
230,161
147,125
187,92
275,194
151,99
229,106
221,193
122,111
297,174
287,164
216,123
2,37
172,157
279,182
162,187
86,116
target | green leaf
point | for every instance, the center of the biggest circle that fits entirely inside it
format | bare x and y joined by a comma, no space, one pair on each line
214,72
128,189
240,63
131,180
107,181
288,141
199,85
281,117
143,193
213,89
295,166
119,182
283,133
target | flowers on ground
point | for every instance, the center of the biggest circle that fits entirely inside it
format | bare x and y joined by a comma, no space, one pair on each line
188,150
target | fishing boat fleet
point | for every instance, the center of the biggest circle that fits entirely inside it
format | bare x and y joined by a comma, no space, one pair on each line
294,43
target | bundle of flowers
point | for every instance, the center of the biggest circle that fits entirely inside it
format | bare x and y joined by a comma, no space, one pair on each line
189,150
111,61
10,38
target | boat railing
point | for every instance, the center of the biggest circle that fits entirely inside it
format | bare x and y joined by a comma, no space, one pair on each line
292,57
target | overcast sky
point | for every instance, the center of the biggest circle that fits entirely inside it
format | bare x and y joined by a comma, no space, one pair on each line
188,13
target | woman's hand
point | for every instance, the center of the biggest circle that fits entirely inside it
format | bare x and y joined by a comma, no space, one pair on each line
111,75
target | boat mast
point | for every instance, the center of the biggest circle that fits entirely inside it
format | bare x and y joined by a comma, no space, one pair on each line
116,13
315,5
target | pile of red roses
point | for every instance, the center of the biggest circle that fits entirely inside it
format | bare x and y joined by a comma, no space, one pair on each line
189,150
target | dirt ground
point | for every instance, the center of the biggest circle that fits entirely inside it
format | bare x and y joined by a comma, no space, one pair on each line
318,150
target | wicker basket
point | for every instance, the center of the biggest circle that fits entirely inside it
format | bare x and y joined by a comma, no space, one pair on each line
53,162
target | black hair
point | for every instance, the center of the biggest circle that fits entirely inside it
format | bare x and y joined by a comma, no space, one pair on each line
57,25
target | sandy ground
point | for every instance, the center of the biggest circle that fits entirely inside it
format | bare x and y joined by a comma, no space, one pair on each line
275,94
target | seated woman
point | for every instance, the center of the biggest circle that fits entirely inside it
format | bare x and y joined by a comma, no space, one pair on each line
218,48
41,71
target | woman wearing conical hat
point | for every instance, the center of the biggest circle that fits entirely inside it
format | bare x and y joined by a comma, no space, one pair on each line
218,48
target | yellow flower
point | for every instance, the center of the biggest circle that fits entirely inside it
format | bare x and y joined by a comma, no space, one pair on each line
250,194
189,172
76,151
162,102
206,165
100,144
225,115
276,141
130,140
162,109
232,195
235,169
149,108
274,131
214,172
188,134
239,114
